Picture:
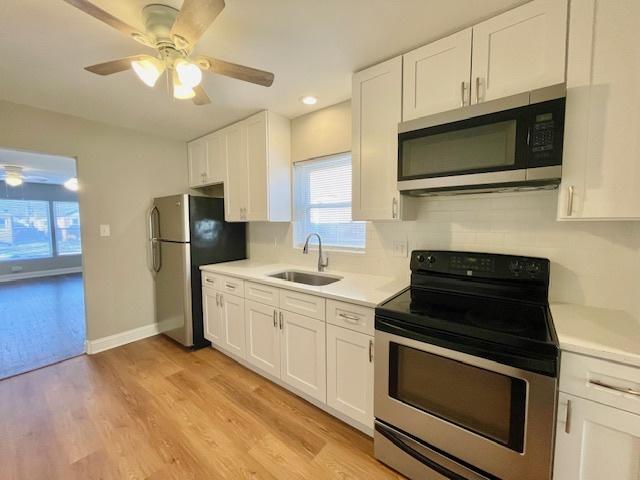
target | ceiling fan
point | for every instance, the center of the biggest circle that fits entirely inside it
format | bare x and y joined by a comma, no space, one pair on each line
173,33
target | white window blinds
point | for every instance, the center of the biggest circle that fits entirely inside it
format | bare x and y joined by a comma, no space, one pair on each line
322,203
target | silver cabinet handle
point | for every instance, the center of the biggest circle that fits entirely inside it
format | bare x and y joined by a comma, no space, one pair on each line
231,286
463,90
625,390
275,320
221,299
570,200
370,351
217,299
280,315
394,208
477,89
349,318
208,280
567,420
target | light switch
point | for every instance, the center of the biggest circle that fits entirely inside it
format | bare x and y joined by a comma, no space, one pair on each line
400,248
105,230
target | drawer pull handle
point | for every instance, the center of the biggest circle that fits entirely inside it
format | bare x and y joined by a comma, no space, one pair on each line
567,421
232,287
370,351
349,318
628,391
209,280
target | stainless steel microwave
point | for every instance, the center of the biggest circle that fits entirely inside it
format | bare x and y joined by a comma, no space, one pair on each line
505,144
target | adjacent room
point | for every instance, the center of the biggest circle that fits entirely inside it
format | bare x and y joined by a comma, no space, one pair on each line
319,239
42,317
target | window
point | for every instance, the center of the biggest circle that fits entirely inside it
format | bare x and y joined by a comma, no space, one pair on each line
323,203
67,223
25,232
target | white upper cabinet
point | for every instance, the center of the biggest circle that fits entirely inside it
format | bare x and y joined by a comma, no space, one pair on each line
216,158
437,77
522,49
236,186
376,111
258,182
601,162
197,157
207,163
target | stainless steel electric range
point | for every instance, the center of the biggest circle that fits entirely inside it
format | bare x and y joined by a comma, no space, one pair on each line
466,369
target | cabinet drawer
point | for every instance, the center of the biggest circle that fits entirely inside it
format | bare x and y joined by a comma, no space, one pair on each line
601,380
232,285
348,315
211,280
301,303
261,293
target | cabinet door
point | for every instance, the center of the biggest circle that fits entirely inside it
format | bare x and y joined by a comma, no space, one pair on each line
601,443
376,110
256,146
303,354
437,77
263,337
601,164
213,325
216,158
350,373
233,324
197,157
236,188
520,50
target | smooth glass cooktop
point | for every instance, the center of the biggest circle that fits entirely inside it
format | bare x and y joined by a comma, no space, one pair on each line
470,315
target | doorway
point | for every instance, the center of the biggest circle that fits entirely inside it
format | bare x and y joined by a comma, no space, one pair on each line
42,314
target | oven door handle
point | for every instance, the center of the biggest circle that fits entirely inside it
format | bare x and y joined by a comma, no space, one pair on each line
399,441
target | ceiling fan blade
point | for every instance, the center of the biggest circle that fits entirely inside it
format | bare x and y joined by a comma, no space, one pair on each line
96,12
201,97
194,18
114,66
248,74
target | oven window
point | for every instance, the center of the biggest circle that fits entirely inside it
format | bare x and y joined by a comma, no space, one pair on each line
487,403
476,149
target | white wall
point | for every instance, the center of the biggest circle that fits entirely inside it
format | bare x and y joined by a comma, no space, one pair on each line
593,263
120,171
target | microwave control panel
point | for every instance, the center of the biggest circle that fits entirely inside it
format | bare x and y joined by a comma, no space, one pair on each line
546,128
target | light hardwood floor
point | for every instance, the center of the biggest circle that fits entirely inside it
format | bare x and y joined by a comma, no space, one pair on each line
151,410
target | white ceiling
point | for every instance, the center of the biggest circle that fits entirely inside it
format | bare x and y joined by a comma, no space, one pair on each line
312,46
37,167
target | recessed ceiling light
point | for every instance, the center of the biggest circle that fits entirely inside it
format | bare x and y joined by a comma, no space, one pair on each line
309,100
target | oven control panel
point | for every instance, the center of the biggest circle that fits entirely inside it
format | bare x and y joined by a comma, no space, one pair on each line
485,265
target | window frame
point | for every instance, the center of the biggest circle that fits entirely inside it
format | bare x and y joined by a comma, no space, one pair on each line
301,212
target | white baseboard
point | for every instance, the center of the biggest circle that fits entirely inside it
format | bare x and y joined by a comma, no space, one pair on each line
10,277
112,341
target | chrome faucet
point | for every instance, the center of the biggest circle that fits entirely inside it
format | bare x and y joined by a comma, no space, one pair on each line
323,262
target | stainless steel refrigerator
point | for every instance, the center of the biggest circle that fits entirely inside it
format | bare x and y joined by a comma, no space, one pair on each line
186,232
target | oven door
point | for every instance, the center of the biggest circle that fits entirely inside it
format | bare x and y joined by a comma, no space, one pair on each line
478,412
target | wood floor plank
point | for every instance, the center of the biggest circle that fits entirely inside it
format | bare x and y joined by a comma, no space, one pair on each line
153,410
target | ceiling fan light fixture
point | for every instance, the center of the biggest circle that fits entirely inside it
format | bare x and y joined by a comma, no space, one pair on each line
13,181
189,74
148,70
13,176
71,184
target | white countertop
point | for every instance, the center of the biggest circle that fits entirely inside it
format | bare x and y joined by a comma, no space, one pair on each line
366,290
598,332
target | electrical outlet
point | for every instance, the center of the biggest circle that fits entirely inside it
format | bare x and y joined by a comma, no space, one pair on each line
400,248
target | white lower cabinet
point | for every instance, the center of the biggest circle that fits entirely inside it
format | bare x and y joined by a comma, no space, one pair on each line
598,442
233,324
303,354
212,315
263,337
322,349
350,373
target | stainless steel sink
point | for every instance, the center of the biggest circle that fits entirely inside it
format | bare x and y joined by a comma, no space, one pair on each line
307,278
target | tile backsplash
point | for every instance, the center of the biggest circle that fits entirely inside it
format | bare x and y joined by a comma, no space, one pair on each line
592,263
